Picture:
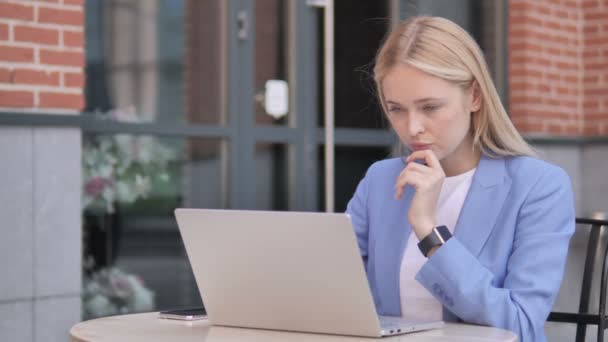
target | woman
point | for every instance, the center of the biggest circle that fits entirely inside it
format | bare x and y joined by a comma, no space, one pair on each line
470,226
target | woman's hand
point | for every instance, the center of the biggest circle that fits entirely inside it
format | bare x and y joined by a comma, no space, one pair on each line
427,180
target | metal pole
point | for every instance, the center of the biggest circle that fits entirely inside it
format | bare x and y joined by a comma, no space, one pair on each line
328,56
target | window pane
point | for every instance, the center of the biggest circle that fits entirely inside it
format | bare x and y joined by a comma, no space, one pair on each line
358,33
350,166
131,186
271,176
162,58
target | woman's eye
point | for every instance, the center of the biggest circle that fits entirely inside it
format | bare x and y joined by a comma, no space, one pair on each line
430,108
394,109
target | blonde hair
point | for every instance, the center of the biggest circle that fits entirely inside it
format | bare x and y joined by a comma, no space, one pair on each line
443,49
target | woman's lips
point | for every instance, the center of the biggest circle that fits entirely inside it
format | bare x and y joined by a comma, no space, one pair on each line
419,147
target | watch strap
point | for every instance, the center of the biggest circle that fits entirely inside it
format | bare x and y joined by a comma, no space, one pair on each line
438,236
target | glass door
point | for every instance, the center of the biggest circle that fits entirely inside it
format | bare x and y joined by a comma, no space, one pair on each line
273,87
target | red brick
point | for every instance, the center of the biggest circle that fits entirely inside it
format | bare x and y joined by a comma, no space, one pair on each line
38,77
591,15
16,11
526,99
597,116
547,114
61,100
68,58
543,87
598,40
551,101
523,6
591,29
597,66
36,35
73,2
593,130
560,13
591,53
552,51
573,54
554,128
16,54
591,4
572,15
553,25
3,31
572,130
73,39
542,8
72,79
16,98
60,16
528,19
566,65
572,3
569,104
591,78
596,91
5,75
529,127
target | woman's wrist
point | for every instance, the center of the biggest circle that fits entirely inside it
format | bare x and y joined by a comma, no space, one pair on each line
424,228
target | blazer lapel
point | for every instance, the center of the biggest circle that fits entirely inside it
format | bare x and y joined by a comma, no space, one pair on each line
489,189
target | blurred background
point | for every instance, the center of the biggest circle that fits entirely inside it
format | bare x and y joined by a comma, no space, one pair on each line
115,112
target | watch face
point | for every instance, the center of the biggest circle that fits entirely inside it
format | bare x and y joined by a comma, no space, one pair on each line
444,232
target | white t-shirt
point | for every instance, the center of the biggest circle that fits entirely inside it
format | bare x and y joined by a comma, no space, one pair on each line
416,302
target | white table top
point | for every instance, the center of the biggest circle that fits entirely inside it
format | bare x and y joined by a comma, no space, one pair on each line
148,327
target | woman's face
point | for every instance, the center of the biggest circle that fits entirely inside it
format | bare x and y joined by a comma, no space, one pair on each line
428,112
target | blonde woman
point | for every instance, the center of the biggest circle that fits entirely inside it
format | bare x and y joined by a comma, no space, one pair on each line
470,226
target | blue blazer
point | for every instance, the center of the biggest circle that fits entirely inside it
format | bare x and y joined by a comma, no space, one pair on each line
503,266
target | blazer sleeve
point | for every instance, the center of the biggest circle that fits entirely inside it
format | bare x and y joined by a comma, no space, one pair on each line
357,210
545,223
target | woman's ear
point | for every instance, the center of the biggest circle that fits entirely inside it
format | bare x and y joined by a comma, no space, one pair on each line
475,97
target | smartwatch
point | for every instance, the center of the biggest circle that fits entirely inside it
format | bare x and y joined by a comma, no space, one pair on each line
438,237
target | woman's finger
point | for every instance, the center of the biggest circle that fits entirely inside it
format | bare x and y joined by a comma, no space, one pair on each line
411,177
418,167
428,156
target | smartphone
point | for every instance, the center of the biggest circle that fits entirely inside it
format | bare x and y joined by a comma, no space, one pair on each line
187,314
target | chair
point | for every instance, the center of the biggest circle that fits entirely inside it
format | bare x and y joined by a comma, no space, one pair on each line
583,318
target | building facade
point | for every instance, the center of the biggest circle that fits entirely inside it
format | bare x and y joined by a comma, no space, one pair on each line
189,78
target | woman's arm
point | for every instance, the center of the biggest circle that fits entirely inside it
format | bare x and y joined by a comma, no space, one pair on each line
535,267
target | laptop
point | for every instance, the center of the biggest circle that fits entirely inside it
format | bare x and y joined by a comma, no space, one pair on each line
292,271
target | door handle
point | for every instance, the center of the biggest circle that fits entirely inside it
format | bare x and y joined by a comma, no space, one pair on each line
242,20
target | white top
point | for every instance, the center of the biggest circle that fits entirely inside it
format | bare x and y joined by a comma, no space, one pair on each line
416,302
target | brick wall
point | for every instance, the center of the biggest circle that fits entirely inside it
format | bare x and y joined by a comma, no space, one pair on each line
595,67
41,55
558,62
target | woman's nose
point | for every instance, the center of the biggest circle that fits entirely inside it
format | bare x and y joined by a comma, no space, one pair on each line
415,125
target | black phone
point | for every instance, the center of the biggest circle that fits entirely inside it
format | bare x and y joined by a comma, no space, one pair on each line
186,314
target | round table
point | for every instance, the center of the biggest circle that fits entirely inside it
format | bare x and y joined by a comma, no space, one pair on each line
148,327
